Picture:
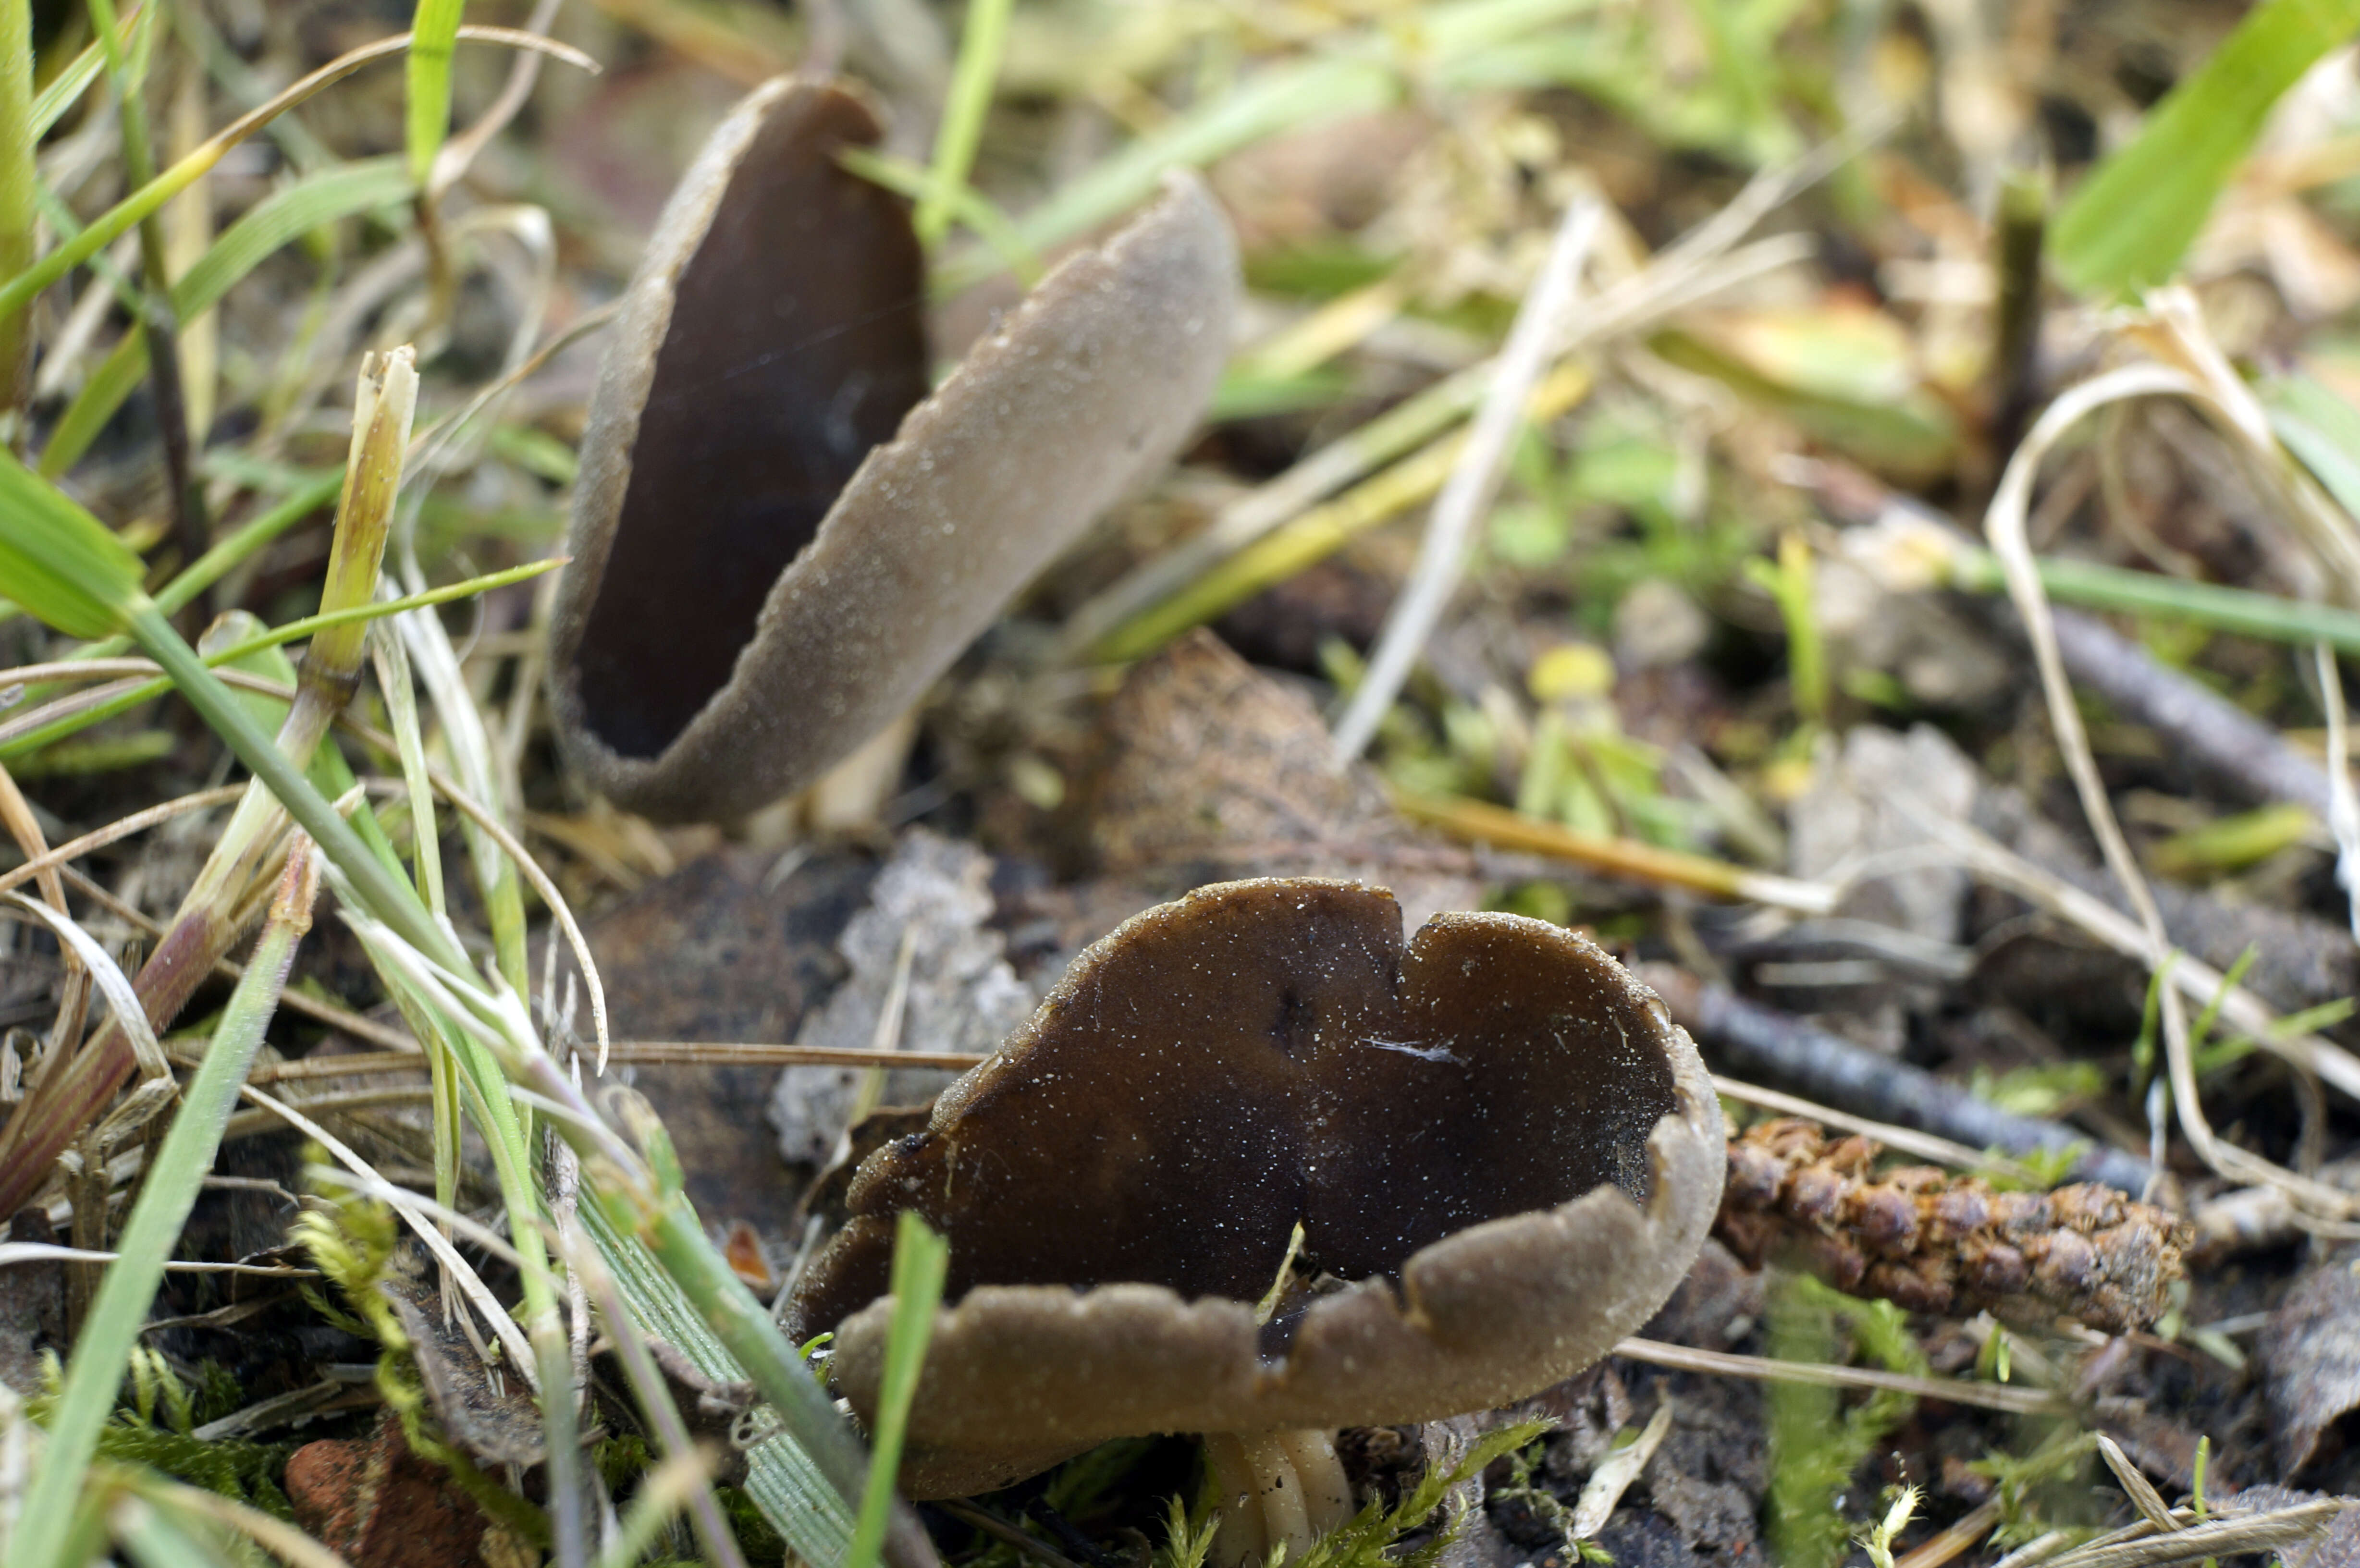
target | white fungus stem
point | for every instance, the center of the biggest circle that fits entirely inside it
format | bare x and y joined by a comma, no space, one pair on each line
1277,1488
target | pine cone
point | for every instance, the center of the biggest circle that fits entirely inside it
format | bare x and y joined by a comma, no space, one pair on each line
1933,1242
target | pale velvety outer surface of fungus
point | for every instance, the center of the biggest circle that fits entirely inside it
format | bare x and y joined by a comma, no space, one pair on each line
758,584
1496,1142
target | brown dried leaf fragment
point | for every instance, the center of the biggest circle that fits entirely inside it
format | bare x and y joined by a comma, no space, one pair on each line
2311,1363
1933,1242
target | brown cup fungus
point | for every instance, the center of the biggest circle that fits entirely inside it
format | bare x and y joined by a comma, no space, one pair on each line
779,537
1257,1170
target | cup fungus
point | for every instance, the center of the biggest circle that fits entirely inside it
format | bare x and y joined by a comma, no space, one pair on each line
779,538
1257,1170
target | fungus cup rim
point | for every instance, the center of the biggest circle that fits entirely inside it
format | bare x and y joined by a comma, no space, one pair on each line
1019,1377
1150,304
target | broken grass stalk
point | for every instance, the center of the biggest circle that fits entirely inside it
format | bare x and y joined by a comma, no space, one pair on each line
94,1374
213,912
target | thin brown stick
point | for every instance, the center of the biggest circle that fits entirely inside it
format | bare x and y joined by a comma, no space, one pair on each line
121,828
681,1052
1000,1529
1632,858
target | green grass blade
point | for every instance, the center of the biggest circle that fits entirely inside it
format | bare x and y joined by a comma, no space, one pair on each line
921,1260
789,1488
434,34
284,216
2131,221
59,564
2240,611
981,43
115,221
94,1375
19,179
250,536
66,91
292,631
904,177
2321,430
1364,75
118,376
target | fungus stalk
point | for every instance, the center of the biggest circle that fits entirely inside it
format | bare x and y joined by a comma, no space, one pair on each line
1277,1488
1284,1488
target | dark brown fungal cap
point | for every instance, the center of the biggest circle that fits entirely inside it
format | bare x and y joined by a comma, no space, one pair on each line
1502,1153
764,571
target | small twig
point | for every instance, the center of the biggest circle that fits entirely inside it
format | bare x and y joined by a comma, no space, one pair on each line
687,1052
1000,1529
1762,1042
1624,858
1763,1370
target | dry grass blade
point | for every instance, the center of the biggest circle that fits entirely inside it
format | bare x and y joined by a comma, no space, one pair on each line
2189,978
2137,1488
647,1051
1764,1369
417,1215
2342,801
2005,524
45,1252
2219,1536
112,983
1474,480
1907,1140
